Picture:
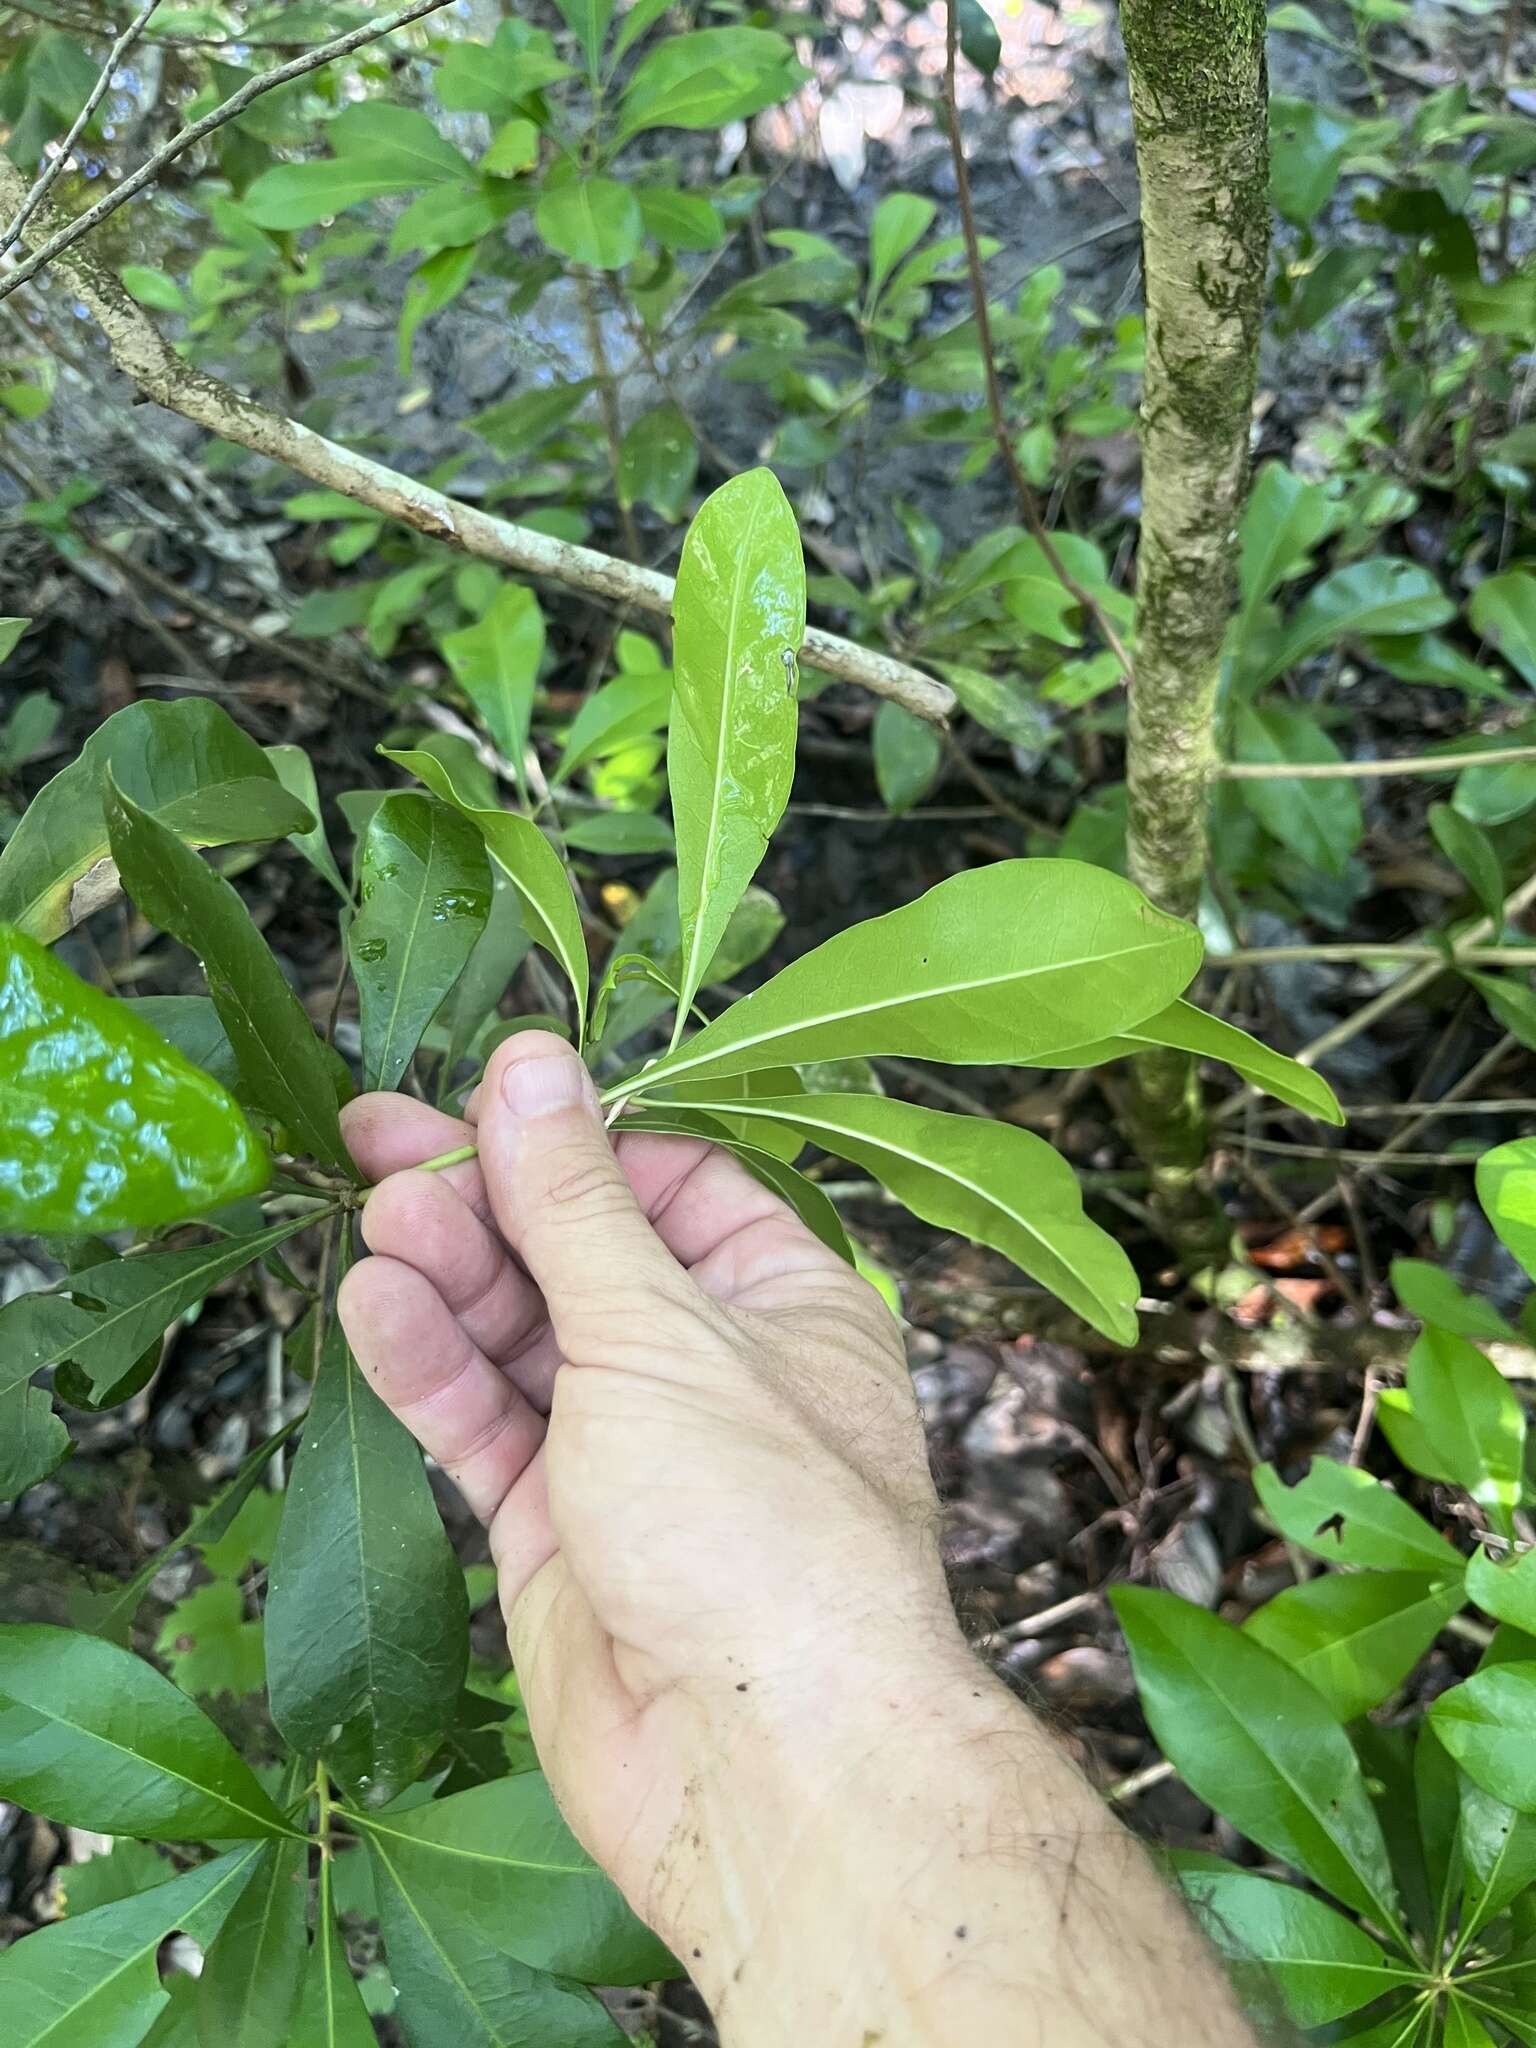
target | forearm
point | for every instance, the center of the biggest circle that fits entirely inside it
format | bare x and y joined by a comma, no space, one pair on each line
921,1867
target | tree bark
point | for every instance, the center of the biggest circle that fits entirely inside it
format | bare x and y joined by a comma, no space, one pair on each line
1199,95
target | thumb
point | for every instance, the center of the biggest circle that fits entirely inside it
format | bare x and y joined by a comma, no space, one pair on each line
561,1198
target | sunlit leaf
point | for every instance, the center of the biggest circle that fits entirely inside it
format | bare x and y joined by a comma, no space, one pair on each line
1356,1638
1345,1515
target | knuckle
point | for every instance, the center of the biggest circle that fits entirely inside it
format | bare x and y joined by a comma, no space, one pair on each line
588,1187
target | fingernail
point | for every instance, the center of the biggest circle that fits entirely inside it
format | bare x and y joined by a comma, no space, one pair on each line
539,1087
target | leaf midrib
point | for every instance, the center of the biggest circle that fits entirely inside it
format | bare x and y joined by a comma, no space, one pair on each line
668,1069
378,1827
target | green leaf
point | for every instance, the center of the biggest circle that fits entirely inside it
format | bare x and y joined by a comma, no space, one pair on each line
96,1979
1308,144
996,965
1505,1591
1506,1187
367,1621
519,425
1254,1740
134,1302
1503,610
249,1989
1470,851
1356,1638
496,663
1319,818
296,772
103,1125
1322,1965
1488,1723
293,196
1430,1293
1507,789
331,2010
28,730
588,21
500,1862
739,616
496,80
590,220
366,128
33,1441
209,1646
1511,1002
680,220
281,1060
635,21
188,764
153,288
530,864
708,77
499,952
11,631
653,934
1344,1515
436,283
1472,1416
658,461
899,223
631,707
1192,1030
92,1735
1498,1846
1380,595
619,832
993,1182
1282,523
908,753
426,894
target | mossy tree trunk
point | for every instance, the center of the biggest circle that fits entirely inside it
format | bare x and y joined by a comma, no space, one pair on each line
1199,95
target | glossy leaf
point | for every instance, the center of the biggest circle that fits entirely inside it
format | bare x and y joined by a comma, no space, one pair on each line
1503,610
103,1125
658,461
132,1302
631,707
908,753
1507,1591
367,1622
993,1182
1322,1965
500,1861
92,1735
425,887
1344,1515
1381,595
188,764
331,2011
95,1979
1255,1741
1470,851
530,864
249,1989
281,1059
739,618
498,953
1430,1293
999,964
496,663
1319,818
707,77
296,772
1472,1416
1506,1187
1488,1723
459,1984
1196,1031
1356,1638
593,220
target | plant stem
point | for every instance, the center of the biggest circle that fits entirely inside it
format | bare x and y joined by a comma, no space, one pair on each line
1200,103
1410,764
1468,956
608,397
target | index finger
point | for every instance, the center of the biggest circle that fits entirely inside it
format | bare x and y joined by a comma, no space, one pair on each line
386,1133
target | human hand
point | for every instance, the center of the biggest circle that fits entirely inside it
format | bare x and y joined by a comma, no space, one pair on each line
689,1429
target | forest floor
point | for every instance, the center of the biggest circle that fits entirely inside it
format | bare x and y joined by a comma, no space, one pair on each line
1063,1467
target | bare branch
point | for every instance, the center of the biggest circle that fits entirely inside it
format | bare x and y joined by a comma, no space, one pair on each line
146,174
143,354
1466,956
1409,764
55,169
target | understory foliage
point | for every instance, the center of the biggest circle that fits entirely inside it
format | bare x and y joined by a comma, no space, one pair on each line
577,845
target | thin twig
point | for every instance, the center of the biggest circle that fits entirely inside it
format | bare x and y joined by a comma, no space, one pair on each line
142,353
1462,956
227,110
1023,491
54,170
1327,771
